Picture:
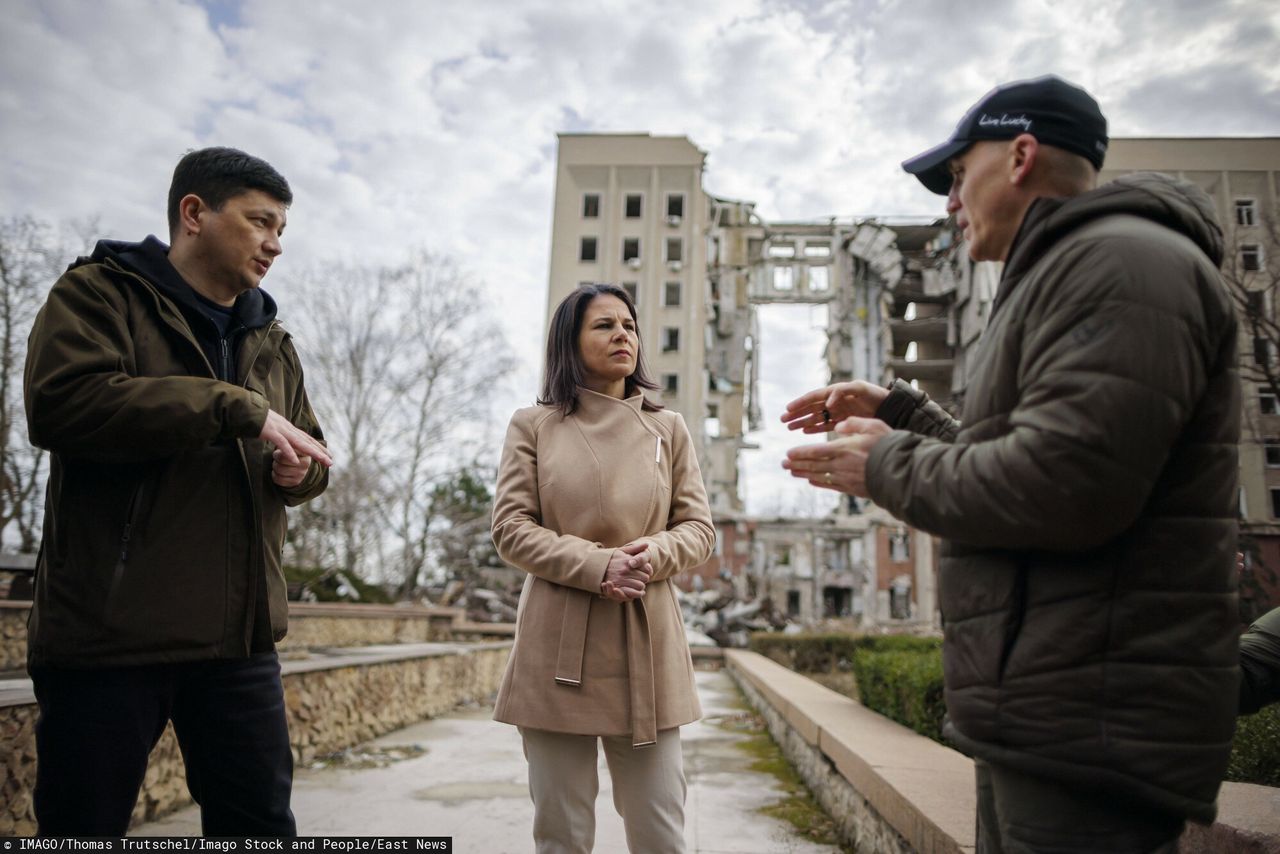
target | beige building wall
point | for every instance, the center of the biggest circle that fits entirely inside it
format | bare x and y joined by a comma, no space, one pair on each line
1231,171
670,294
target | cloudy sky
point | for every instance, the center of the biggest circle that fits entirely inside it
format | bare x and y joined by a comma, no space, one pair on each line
407,124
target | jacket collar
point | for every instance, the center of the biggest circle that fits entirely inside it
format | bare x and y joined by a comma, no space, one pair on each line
1178,205
594,404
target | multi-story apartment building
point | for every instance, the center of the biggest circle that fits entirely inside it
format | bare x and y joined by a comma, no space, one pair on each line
630,209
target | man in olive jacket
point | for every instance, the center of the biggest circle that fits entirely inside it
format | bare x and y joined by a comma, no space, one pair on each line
172,403
1087,504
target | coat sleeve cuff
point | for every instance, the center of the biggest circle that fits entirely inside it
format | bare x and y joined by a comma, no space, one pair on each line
593,569
896,409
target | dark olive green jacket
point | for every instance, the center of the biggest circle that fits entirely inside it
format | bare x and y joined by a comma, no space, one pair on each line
161,518
1088,503
1260,663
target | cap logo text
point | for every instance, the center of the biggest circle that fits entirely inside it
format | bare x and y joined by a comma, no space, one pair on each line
1004,120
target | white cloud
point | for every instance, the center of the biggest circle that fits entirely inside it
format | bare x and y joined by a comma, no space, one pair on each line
404,125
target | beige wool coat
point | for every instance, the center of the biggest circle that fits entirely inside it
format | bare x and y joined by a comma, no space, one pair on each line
570,491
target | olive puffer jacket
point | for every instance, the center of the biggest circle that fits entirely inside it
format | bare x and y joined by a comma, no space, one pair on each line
1088,502
162,523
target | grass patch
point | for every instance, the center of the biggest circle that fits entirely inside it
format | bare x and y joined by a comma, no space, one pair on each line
798,806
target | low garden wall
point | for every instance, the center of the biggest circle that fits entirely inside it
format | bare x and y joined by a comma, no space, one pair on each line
333,702
889,788
311,625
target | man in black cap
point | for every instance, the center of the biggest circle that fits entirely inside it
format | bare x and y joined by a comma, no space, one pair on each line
1087,499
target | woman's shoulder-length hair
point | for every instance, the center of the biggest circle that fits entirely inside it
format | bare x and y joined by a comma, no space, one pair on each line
565,372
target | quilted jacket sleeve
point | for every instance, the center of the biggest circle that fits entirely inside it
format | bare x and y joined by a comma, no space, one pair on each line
1109,366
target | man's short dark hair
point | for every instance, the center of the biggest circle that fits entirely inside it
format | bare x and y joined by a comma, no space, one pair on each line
218,174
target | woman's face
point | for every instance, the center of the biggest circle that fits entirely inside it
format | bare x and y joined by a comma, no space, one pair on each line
607,342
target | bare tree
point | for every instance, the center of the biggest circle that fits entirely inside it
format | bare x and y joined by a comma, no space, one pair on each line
404,361
32,256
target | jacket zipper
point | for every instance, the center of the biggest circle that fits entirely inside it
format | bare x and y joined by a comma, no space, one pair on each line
254,509
131,518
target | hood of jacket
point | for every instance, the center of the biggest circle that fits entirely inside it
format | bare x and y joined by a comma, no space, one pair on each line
150,259
1172,202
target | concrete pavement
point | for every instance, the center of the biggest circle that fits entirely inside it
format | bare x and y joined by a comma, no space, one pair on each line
463,775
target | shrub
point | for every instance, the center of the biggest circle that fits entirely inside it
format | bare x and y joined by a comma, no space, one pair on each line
900,677
904,685
1255,753
831,651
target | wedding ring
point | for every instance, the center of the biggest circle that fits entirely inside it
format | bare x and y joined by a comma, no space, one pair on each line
827,478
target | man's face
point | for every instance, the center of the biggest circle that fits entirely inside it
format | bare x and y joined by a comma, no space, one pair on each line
240,242
983,201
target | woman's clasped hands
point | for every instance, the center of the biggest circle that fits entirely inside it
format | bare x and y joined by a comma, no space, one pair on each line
628,573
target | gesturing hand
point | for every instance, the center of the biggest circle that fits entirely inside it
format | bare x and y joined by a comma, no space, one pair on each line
287,474
627,573
840,464
291,446
821,409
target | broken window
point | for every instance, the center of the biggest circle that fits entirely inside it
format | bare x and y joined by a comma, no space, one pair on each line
1261,350
670,339
591,206
631,250
1245,212
817,250
633,290
671,294
675,249
900,547
782,250
1272,450
1267,402
587,249
793,603
783,279
819,278
1250,257
671,383
633,205
675,205
1275,502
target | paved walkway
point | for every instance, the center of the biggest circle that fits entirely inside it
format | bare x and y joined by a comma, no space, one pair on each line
470,783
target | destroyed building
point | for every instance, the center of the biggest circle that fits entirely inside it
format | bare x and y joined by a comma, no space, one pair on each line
631,209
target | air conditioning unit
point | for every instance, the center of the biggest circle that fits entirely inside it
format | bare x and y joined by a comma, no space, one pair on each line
674,265
673,219
633,263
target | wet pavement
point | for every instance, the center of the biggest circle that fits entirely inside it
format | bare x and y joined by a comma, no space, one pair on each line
463,775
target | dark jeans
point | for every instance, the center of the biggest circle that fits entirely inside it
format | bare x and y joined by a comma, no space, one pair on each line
1021,814
97,727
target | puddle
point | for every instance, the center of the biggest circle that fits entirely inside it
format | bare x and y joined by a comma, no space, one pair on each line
457,792
368,756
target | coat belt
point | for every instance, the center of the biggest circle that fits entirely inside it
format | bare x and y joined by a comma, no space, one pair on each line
640,678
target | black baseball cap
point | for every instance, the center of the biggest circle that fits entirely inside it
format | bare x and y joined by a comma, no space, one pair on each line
1049,108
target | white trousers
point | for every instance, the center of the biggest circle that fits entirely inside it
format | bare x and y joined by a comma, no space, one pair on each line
648,791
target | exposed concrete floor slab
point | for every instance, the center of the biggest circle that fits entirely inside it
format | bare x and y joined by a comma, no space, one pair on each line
471,784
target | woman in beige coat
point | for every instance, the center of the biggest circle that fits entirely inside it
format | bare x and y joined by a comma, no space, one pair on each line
601,501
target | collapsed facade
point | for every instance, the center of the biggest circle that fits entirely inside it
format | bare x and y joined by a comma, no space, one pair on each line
903,301
630,209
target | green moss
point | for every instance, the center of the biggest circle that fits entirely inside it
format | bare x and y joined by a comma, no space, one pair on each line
798,806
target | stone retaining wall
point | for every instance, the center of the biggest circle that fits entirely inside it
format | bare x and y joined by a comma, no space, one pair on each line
891,789
13,634
312,625
332,703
